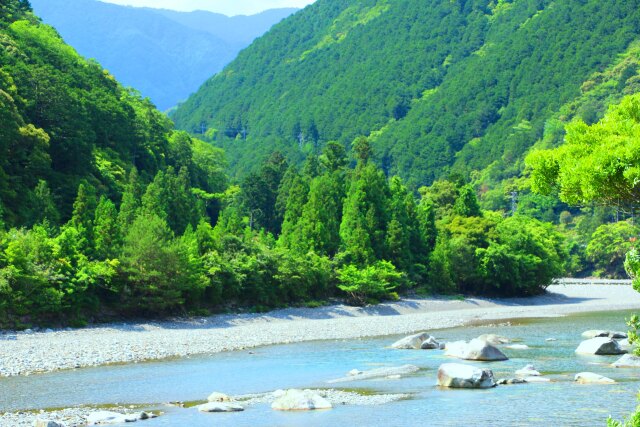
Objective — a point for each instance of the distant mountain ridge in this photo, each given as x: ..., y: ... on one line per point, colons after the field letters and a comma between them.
x: 166, y: 55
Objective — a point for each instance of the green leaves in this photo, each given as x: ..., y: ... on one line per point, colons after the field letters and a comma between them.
x: 373, y: 282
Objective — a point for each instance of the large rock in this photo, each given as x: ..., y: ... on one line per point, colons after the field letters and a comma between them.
x: 300, y: 400
x: 46, y: 423
x: 591, y: 378
x: 598, y: 333
x: 600, y: 346
x: 475, y: 349
x: 494, y: 339
x: 412, y: 342
x: 430, y: 344
x: 528, y: 371
x: 220, y: 407
x: 457, y: 375
x: 627, y: 361
x: 218, y: 397
x: 355, y: 375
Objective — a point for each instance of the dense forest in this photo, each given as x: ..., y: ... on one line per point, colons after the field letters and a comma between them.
x: 439, y: 86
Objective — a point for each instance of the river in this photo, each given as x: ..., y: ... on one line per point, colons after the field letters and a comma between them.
x: 312, y: 364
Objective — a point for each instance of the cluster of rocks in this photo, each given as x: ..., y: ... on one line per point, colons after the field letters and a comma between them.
x: 73, y: 417
x: 294, y: 400
x: 485, y: 348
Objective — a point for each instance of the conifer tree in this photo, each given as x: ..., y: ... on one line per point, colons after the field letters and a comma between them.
x: 467, y: 202
x: 105, y: 229
x: 84, y: 209
x: 319, y: 228
x: 290, y: 236
x: 44, y: 208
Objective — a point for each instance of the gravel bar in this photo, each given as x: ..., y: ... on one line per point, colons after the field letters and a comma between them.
x: 25, y: 353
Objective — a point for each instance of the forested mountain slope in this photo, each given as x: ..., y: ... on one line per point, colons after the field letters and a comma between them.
x: 65, y: 121
x: 165, y: 55
x: 439, y: 85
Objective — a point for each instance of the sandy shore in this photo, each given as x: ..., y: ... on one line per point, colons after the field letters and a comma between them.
x: 27, y: 353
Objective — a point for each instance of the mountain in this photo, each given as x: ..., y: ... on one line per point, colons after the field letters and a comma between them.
x: 65, y: 121
x: 439, y: 86
x: 165, y: 55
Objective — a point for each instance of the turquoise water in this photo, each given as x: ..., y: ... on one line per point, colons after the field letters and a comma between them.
x: 310, y: 365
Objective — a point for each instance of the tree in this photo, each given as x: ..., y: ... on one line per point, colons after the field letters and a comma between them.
x: 371, y: 283
x: 155, y: 273
x: 44, y: 208
x: 106, y: 233
x: 608, y: 246
x: 84, y: 209
x: 467, y: 202
x: 597, y: 163
x: 319, y: 225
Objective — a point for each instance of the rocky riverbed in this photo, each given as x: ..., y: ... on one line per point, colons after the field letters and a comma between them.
x: 29, y: 352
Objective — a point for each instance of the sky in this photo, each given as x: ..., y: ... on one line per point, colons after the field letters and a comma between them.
x: 227, y: 7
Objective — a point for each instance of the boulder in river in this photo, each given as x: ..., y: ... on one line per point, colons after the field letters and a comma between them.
x: 457, y: 375
x: 627, y: 361
x: 476, y: 349
x: 412, y: 342
x: 528, y: 371
x: 220, y: 407
x: 218, y: 397
x: 591, y: 378
x: 598, y: 333
x: 430, y: 344
x: 355, y: 375
x: 46, y: 423
x: 600, y: 346
x: 300, y: 400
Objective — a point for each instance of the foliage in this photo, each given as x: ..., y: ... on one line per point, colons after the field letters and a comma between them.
x: 609, y: 245
x: 597, y: 163
x: 373, y: 282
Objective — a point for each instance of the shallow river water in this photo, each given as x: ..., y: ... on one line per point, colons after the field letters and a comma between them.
x: 311, y: 365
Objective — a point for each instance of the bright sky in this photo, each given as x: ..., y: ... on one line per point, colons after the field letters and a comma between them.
x: 227, y: 7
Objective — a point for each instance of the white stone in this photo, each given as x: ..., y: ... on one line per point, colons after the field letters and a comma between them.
x: 600, y: 346
x: 108, y: 417
x: 591, y: 378
x: 220, y: 407
x: 475, y: 349
x: 528, y: 371
x: 300, y: 400
x: 627, y: 361
x: 457, y: 375
x: 218, y: 397
x: 412, y: 342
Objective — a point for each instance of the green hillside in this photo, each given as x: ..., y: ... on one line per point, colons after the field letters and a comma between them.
x: 439, y: 85
x: 64, y: 121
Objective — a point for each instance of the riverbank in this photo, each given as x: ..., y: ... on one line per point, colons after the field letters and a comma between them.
x: 28, y: 353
